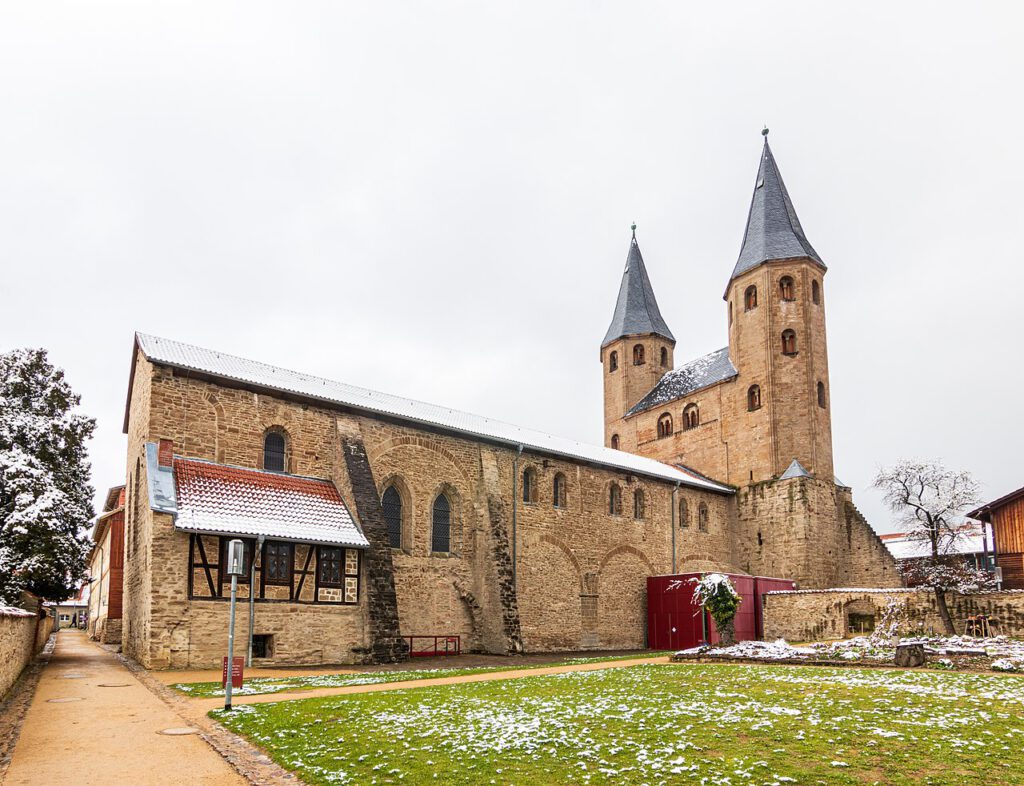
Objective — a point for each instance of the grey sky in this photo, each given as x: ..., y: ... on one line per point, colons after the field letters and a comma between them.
x: 434, y: 199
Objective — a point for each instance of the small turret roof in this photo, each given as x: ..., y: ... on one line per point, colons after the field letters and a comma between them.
x: 773, y: 229
x: 636, y: 310
x: 796, y: 470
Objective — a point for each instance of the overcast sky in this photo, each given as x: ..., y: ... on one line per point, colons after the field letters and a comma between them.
x: 434, y: 199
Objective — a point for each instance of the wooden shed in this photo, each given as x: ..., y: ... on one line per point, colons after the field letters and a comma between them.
x: 1006, y: 515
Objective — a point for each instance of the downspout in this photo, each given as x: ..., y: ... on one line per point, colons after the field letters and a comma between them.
x: 674, y: 491
x: 515, y: 508
x: 252, y: 596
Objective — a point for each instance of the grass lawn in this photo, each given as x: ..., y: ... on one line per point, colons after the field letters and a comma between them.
x: 257, y: 685
x: 659, y: 724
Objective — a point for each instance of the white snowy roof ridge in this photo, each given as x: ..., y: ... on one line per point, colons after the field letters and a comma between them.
x: 218, y: 364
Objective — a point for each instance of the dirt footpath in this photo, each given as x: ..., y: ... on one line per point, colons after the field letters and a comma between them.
x: 92, y: 722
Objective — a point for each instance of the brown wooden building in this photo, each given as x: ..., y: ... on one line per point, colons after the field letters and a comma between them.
x: 1006, y: 515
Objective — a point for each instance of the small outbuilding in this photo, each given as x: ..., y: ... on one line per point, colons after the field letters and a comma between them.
x: 1006, y: 515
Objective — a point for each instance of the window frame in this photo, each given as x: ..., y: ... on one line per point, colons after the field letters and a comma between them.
x: 664, y: 425
x: 789, y: 345
x: 639, y: 355
x: 614, y: 500
x: 639, y: 505
x: 434, y: 524
x: 692, y: 407
x: 401, y: 516
x: 703, y: 518
x: 265, y: 561
x: 559, y: 494
x: 613, y: 362
x: 750, y: 298
x: 322, y: 560
x: 753, y: 398
x: 281, y: 435
x: 787, y: 289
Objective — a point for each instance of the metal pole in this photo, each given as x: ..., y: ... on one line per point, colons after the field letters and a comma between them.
x: 231, y: 643
x: 252, y: 597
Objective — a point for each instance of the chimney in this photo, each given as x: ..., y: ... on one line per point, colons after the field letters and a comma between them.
x: 165, y: 453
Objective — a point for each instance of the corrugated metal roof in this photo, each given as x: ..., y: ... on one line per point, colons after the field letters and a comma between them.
x: 228, y: 500
x: 773, y: 230
x: 971, y: 541
x: 636, y: 309
x: 695, y: 375
x: 221, y: 365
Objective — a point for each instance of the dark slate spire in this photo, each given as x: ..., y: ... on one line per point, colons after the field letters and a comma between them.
x: 636, y: 310
x: 773, y: 230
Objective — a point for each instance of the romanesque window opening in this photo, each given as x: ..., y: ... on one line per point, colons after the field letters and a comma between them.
x: 638, y: 355
x: 750, y: 298
x: 821, y: 394
x: 760, y: 540
x: 684, y: 513
x: 558, y: 491
x: 815, y: 292
x: 529, y: 485
x: 754, y: 397
x: 274, y: 451
x: 665, y: 426
x: 702, y: 517
x: 615, y: 441
x: 788, y: 342
x: 786, y: 289
x: 691, y: 417
x: 613, y: 362
x: 330, y: 563
x: 664, y: 357
x: 441, y: 525
x: 615, y: 500
x: 277, y: 563
x: 391, y: 506
x: 638, y: 504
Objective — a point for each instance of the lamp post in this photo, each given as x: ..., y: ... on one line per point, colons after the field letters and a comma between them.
x: 236, y: 567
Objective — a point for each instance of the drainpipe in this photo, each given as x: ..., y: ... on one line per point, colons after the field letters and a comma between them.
x: 674, y: 491
x: 252, y: 596
x: 515, y: 508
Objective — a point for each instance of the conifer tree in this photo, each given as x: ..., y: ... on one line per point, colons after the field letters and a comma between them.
x: 45, y: 495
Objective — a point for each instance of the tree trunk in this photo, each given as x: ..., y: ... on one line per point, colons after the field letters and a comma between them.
x: 727, y: 632
x: 947, y: 621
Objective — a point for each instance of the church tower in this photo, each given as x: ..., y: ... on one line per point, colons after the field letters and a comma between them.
x: 776, y: 307
x: 637, y: 349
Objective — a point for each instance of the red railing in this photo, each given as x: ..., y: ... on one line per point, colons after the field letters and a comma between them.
x: 433, y: 645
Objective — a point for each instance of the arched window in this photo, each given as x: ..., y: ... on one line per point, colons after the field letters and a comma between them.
x: 441, y: 525
x: 391, y: 504
x: 665, y: 426
x: 788, y: 342
x: 730, y: 313
x: 702, y: 517
x: 691, y: 417
x: 754, y: 397
x: 638, y: 504
x: 274, y: 451
x: 684, y: 513
x: 615, y: 500
x: 750, y: 298
x: 615, y: 441
x: 786, y: 289
x: 664, y: 357
x: 613, y: 362
x: 558, y: 494
x: 529, y: 485
x: 821, y: 394
x: 638, y: 355
x: 815, y: 292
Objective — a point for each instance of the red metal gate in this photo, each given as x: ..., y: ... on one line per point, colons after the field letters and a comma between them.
x: 433, y: 645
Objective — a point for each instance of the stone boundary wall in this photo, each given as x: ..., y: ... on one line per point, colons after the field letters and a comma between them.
x: 20, y: 633
x: 813, y: 615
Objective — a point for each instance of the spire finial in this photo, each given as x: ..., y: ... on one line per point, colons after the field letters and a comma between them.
x: 633, y: 227
x: 764, y: 132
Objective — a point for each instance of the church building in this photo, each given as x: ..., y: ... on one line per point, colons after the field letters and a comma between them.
x: 374, y: 523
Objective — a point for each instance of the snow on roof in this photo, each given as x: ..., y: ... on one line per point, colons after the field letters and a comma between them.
x: 901, y: 547
x: 262, y: 375
x: 226, y: 500
x: 689, y: 378
x: 14, y: 611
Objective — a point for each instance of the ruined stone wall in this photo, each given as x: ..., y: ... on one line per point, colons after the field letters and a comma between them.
x: 816, y: 615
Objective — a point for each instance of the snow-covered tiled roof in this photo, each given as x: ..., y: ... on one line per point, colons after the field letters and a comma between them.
x: 261, y: 375
x: 695, y: 375
x: 901, y: 547
x: 226, y: 500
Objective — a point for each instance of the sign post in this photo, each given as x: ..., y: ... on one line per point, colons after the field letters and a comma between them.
x: 236, y: 567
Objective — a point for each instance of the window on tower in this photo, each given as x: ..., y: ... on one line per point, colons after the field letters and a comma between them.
x: 821, y: 394
x: 613, y: 362
x: 615, y: 441
x: 788, y: 342
x: 638, y: 355
x: 816, y: 292
x: 786, y: 289
x: 750, y: 298
x: 664, y: 357
x: 753, y: 397
x: 665, y: 426
x: 691, y: 417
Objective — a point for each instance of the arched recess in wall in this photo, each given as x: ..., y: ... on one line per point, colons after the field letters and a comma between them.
x: 550, y: 619
x: 218, y: 425
x: 622, y: 583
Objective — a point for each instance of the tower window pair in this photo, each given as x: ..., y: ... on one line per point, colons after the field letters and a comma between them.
x: 753, y: 398
x: 750, y: 298
x: 665, y: 426
x: 787, y: 291
x: 788, y: 342
x: 691, y: 417
x: 638, y: 355
x: 613, y: 362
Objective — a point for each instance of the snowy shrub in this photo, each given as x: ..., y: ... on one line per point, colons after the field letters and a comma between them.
x: 715, y: 593
x: 944, y: 663
x: 1005, y: 665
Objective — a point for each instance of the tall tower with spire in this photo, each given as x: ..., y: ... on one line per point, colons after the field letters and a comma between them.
x: 776, y: 302
x: 637, y: 349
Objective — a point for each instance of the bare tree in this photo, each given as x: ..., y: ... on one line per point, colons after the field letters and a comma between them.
x: 929, y: 501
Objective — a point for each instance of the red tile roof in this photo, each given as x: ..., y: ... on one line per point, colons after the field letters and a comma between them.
x: 227, y: 500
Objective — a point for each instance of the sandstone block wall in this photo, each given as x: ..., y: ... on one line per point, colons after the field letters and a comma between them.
x: 18, y: 643
x: 817, y: 615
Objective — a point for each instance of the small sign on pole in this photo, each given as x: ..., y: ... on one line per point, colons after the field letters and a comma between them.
x: 237, y: 673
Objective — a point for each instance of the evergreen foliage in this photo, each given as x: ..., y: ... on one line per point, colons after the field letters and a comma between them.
x: 716, y: 594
